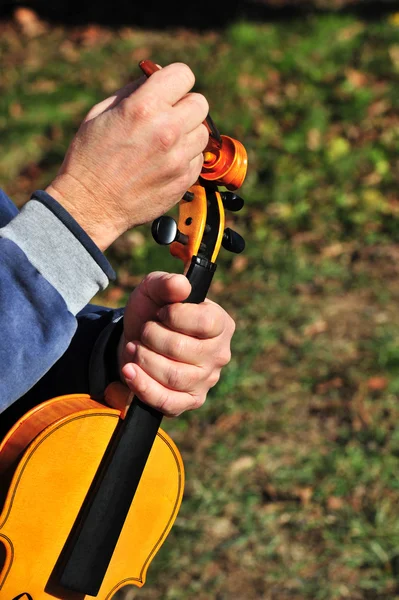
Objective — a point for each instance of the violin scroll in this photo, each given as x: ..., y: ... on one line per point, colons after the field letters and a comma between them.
x: 225, y: 165
x: 200, y: 231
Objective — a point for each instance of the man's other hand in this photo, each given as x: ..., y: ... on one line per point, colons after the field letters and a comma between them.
x: 135, y: 155
x: 171, y: 353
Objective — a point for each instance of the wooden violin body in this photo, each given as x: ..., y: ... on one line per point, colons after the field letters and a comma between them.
x: 48, y: 484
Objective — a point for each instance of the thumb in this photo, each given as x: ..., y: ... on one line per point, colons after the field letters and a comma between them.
x: 155, y: 291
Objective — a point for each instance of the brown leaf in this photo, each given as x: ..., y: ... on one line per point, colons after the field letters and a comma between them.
x: 217, y: 286
x: 240, y: 263
x: 220, y: 528
x: 244, y: 463
x: 15, y: 110
x: 378, y: 108
x: 313, y: 139
x: 361, y: 417
x: 92, y: 35
x: 335, y: 503
x: 304, y: 494
x: 315, y: 328
x: 115, y: 294
x: 229, y: 422
x: 29, y: 22
x: 377, y: 383
x: 357, y: 78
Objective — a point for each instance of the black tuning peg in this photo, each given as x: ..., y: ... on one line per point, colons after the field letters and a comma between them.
x: 231, y: 201
x: 164, y: 231
x: 232, y: 241
x: 189, y: 196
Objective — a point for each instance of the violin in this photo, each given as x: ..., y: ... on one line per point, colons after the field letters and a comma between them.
x: 89, y: 493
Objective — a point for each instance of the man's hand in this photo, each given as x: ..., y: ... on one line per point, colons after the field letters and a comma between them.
x: 135, y: 155
x: 171, y: 353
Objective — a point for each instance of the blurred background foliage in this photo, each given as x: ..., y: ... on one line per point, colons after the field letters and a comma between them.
x: 293, y: 463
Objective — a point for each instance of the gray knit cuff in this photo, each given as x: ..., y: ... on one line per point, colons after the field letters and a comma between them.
x: 57, y: 254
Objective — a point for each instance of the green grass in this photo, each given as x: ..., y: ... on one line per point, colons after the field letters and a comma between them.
x: 293, y: 463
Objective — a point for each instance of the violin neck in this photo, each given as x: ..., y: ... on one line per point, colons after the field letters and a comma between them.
x: 88, y: 551
x: 200, y: 274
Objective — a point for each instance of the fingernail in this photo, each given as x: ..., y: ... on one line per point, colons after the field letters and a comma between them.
x: 129, y: 372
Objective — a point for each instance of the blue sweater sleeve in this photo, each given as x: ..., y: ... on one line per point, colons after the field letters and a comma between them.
x: 36, y: 327
x: 45, y: 350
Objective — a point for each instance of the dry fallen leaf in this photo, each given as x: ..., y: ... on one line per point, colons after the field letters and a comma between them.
x: 315, y: 328
x: 357, y: 78
x: 304, y: 494
x: 335, y: 503
x: 29, y: 22
x: 220, y: 528
x: 244, y: 463
x: 377, y: 383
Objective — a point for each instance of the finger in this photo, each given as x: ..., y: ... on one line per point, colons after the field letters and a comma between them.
x: 129, y: 89
x: 114, y: 100
x: 196, y: 141
x: 179, y: 376
x: 164, y: 288
x: 168, y: 85
x: 170, y: 403
x: 191, y: 111
x: 118, y: 395
x: 173, y: 345
x: 156, y: 290
x: 204, y: 321
x: 194, y: 169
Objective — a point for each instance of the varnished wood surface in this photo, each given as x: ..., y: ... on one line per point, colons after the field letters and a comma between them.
x: 47, y: 491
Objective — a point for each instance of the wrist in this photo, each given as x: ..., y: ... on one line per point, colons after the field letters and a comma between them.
x: 85, y: 209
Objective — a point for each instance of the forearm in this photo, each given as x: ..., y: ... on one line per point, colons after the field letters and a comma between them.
x: 49, y: 270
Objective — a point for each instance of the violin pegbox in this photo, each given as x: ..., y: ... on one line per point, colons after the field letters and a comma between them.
x: 200, y: 230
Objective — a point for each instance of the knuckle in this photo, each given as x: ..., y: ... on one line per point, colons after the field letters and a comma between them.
x: 231, y: 325
x: 206, y: 322
x: 198, y: 401
x: 179, y: 348
x: 141, y: 110
x: 141, y: 385
x: 224, y: 356
x: 167, y: 406
x: 201, y: 348
x: 202, y: 103
x: 203, y: 137
x: 146, y: 332
x: 213, y: 378
x: 174, y: 378
x: 139, y: 357
x: 166, y: 137
x: 185, y: 74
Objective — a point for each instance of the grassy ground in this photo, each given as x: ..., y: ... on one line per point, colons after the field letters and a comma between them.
x: 293, y: 463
